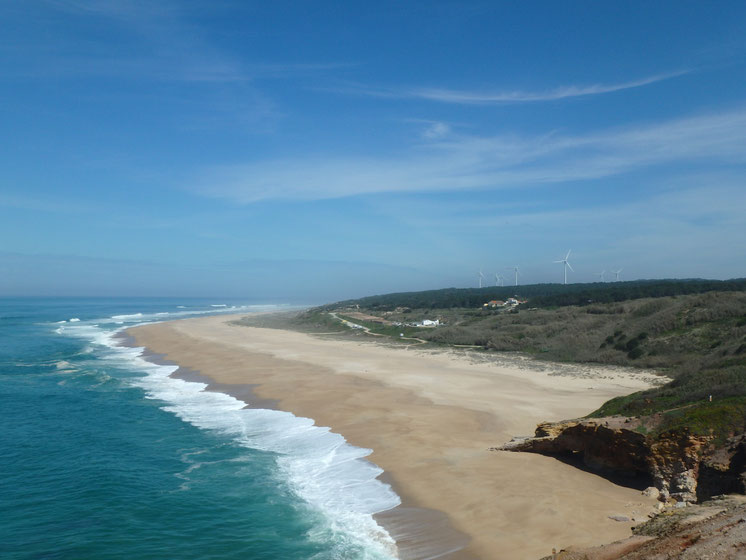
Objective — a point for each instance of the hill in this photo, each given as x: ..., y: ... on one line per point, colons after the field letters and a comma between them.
x: 543, y: 295
x: 692, y: 330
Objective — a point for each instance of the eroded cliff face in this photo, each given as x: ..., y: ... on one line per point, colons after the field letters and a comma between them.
x: 673, y: 461
x: 723, y: 471
x: 682, y: 466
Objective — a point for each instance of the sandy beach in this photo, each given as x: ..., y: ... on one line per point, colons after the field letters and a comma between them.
x: 430, y: 417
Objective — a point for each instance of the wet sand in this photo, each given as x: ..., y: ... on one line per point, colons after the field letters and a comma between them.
x: 430, y: 418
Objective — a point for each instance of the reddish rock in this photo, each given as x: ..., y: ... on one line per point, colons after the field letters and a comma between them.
x: 675, y: 461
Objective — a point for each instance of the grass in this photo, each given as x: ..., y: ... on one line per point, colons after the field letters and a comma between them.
x: 699, y: 339
x: 392, y: 331
x: 719, y: 418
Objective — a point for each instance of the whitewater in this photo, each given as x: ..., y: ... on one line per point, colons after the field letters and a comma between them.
x: 112, y: 456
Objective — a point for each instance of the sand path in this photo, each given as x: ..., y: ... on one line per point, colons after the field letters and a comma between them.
x: 431, y: 417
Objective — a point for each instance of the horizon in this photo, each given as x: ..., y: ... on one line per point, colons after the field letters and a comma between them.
x: 300, y: 303
x: 324, y: 152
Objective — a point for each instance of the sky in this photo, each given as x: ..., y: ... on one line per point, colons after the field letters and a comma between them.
x: 316, y: 151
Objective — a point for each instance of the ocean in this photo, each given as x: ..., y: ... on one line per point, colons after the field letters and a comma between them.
x: 104, y: 456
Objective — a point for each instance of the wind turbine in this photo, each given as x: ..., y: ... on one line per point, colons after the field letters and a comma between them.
x: 616, y: 274
x: 515, y: 269
x: 481, y: 277
x: 566, y: 264
x: 601, y: 275
x: 498, y: 280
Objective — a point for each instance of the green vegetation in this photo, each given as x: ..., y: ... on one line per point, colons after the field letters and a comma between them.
x: 692, y: 330
x: 310, y: 321
x: 685, y: 403
x: 544, y: 295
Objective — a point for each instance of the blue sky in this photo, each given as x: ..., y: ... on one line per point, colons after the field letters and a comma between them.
x: 313, y: 151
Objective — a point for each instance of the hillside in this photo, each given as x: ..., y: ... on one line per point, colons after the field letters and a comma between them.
x: 697, y: 338
x: 692, y: 331
x: 543, y: 295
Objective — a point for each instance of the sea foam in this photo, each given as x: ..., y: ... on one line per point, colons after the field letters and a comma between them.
x: 319, y: 466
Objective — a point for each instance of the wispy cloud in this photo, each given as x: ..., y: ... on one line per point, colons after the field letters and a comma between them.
x: 464, y: 97
x: 132, y: 9
x: 52, y: 205
x: 164, y: 43
x: 161, y: 41
x: 161, y: 44
x: 436, y: 130
x: 564, y: 92
x: 463, y: 162
x: 685, y: 227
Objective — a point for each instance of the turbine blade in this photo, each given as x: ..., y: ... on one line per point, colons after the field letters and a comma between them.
x: 569, y: 266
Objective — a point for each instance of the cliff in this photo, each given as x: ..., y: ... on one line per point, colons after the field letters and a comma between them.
x: 681, y: 466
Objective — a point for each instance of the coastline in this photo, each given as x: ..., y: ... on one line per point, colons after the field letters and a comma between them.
x: 430, y: 418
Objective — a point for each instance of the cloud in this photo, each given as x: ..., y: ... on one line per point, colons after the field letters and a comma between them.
x: 498, y: 162
x: 37, y: 204
x: 463, y: 97
x: 436, y: 130
x: 164, y: 41
x: 685, y: 228
x: 564, y: 92
x: 130, y: 9
x: 160, y: 41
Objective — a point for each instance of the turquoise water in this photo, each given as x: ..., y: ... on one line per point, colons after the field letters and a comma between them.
x: 105, y: 456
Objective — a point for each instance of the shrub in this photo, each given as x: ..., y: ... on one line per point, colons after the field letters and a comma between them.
x: 632, y: 344
x: 635, y: 353
x: 649, y: 308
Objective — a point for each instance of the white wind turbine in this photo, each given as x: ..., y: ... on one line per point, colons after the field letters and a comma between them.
x: 601, y: 275
x: 616, y: 274
x: 481, y: 277
x: 498, y: 280
x: 566, y: 264
x: 515, y: 269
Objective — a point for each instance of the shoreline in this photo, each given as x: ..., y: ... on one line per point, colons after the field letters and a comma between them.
x: 430, y: 418
x: 419, y: 532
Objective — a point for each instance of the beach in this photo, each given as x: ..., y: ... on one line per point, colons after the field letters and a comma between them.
x: 430, y: 417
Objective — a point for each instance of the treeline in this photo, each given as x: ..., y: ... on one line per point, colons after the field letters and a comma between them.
x: 544, y: 295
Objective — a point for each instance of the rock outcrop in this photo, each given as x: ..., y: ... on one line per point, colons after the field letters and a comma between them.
x: 723, y: 471
x: 714, y: 529
x: 682, y: 466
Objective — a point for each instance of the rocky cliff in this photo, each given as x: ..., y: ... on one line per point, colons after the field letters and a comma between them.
x: 682, y: 467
